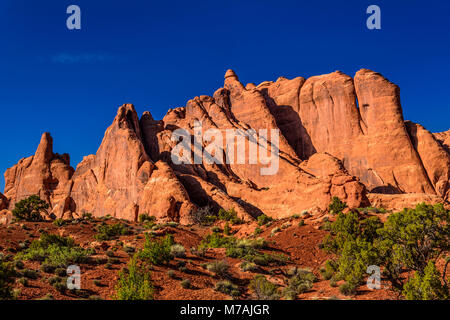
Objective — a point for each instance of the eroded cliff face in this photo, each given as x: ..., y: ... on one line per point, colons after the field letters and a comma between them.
x: 358, y: 120
x: 46, y: 174
x: 339, y: 136
x: 3, y: 202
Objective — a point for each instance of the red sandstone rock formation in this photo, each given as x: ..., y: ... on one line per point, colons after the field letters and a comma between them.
x: 338, y: 136
x: 3, y: 202
x: 45, y: 174
x: 444, y: 139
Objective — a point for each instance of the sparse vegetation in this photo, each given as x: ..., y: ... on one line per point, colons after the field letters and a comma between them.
x: 134, y: 283
x: 157, y: 252
x: 220, y: 268
x: 186, y: 283
x: 171, y: 274
x: 301, y: 280
x: 263, y: 219
x: 113, y: 231
x: 59, y: 222
x: 264, y: 289
x: 143, y: 218
x: 226, y: 287
x: 178, y: 251
x: 336, y: 206
x: 229, y: 215
x: 249, y: 266
x: 204, y: 216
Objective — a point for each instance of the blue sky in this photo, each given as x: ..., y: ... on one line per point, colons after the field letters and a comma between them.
x: 159, y: 54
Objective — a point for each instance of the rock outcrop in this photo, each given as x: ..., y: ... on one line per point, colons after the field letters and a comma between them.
x: 444, y: 139
x: 45, y: 174
x: 435, y: 159
x: 3, y: 202
x: 337, y: 136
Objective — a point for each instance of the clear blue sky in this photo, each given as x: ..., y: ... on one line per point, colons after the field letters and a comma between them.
x: 159, y: 54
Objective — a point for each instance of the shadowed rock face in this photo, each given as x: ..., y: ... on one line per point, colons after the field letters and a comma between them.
x: 338, y: 136
x: 3, y: 202
x: 434, y: 157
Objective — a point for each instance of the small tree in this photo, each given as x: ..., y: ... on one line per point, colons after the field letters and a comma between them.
x: 336, y: 205
x: 30, y: 209
x: 427, y: 286
x: 413, y: 237
x: 264, y: 289
x: 134, y: 283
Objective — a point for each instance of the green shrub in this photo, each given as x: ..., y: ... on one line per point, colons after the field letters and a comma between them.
x: 348, y: 289
x: 30, y: 209
x: 427, y: 286
x: 178, y: 251
x: 408, y: 241
x: 227, y: 229
x: 109, y: 232
x: 60, y: 287
x: 23, y: 281
x: 30, y: 274
x: 229, y: 215
x: 257, y: 231
x: 352, y: 240
x: 263, y: 219
x: 329, y: 270
x: 249, y: 266
x: 274, y: 231
x: 199, y: 251
x: 286, y: 225
x: 413, y: 237
x: 55, y: 251
x: 59, y: 222
x: 61, y: 272
x: 220, y: 268
x: 171, y: 274
x: 47, y: 268
x: 264, y: 289
x: 301, y: 280
x: 226, y: 287
x: 55, y: 279
x: 186, y: 283
x: 336, y: 205
x: 7, y: 279
x: 157, y: 252
x: 146, y: 218
x: 134, y: 283
x: 204, y: 216
x: 86, y: 216
x: 217, y: 240
x: 19, y: 264
x: 129, y: 250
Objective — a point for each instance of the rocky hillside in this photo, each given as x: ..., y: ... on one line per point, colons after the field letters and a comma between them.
x: 339, y: 136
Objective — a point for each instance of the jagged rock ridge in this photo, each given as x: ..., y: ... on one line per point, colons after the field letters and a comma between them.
x: 340, y: 136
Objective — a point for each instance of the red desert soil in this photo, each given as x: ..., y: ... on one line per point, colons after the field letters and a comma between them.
x: 299, y: 243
